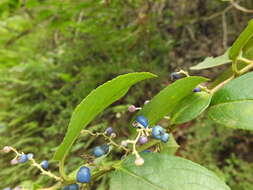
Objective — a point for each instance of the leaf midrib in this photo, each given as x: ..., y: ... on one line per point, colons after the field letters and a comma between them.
x: 177, y: 168
x: 232, y: 101
x: 139, y: 177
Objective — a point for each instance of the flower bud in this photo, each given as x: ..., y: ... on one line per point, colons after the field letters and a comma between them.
x: 132, y: 108
x: 139, y: 161
x: 7, y: 149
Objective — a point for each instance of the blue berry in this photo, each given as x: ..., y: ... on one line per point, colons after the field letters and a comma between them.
x: 143, y: 140
x: 73, y: 187
x: 165, y: 137
x: 7, y: 188
x: 44, y: 164
x: 157, y: 132
x: 109, y: 131
x: 175, y: 76
x: 30, y: 156
x: 98, y: 151
x: 65, y: 187
x: 197, y: 89
x: 105, y: 148
x: 22, y: 158
x: 83, y: 175
x: 142, y: 120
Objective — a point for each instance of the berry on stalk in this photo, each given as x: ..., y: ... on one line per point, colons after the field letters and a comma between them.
x: 83, y: 175
x: 44, y: 164
x: 98, y: 151
x: 7, y: 188
x: 165, y: 137
x: 143, y: 140
x: 197, y: 89
x: 30, y: 156
x: 175, y: 76
x: 109, y: 131
x: 143, y: 121
x: 22, y: 158
x: 73, y: 187
x: 158, y: 132
x: 105, y: 148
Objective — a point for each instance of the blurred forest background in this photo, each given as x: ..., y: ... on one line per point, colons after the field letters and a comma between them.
x: 54, y: 52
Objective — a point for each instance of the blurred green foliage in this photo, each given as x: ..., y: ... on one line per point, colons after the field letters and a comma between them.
x: 53, y: 53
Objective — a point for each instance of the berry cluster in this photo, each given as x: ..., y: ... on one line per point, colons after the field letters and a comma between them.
x: 23, y: 158
x: 83, y: 176
x: 143, y: 132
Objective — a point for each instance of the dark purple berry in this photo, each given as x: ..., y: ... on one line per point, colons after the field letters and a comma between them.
x: 175, y: 76
x: 109, y: 131
x: 197, y: 89
x: 143, y: 140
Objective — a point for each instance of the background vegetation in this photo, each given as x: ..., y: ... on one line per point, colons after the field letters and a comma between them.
x: 53, y: 53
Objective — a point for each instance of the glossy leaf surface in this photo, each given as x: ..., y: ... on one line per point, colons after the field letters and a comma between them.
x: 191, y: 107
x: 163, y: 172
x: 168, y: 98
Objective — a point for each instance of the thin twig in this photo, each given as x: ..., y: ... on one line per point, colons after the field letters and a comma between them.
x: 239, y: 7
x: 225, y: 30
x: 106, y: 137
x: 240, y: 72
x: 44, y: 172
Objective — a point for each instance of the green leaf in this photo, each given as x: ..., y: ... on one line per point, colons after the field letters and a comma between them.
x: 232, y: 105
x: 191, y: 107
x: 237, y: 114
x: 168, y: 98
x: 95, y: 103
x: 163, y: 172
x: 241, y: 41
x: 248, y: 50
x: 170, y: 147
x: 237, y: 89
x: 210, y: 62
